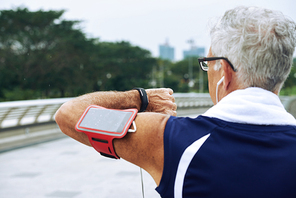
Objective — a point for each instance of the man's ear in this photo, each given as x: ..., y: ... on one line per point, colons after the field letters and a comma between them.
x: 227, y: 73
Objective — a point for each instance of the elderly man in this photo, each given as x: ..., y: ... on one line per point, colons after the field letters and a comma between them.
x: 245, y: 145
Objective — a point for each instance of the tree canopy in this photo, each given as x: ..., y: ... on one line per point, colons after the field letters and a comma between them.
x: 45, y: 56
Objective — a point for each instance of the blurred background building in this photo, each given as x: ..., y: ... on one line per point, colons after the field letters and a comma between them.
x: 194, y: 52
x: 166, y: 52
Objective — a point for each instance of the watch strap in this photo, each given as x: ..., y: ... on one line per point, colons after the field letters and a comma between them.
x: 144, y: 99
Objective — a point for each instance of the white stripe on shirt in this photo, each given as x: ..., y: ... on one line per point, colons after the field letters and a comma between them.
x: 184, y: 164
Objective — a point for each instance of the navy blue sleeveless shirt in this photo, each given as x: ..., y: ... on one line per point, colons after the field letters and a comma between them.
x: 209, y: 157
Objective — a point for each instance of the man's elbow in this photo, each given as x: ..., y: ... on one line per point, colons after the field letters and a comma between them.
x: 66, y: 118
x: 62, y: 118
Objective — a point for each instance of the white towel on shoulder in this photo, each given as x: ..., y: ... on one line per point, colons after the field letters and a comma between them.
x: 252, y: 106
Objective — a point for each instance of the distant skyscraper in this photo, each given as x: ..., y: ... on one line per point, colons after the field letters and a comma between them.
x: 166, y: 52
x: 194, y: 52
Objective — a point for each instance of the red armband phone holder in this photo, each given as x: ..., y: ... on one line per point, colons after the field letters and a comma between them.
x: 102, y: 125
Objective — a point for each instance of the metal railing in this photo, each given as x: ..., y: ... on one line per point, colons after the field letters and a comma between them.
x: 29, y: 112
x: 24, y: 123
x: 192, y: 100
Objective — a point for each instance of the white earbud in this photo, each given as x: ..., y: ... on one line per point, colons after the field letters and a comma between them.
x: 218, y: 83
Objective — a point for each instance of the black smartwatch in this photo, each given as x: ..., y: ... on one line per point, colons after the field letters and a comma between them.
x: 144, y: 99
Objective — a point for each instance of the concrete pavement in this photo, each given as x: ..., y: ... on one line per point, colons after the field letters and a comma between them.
x: 69, y: 169
x: 66, y: 168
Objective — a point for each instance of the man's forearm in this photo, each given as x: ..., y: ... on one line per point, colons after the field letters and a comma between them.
x: 160, y: 101
x: 111, y: 99
x: 70, y: 112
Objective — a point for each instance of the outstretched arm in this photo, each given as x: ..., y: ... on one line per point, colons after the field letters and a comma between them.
x: 160, y: 101
x: 144, y: 147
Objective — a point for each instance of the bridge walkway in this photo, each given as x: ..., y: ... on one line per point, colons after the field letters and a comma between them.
x: 64, y: 168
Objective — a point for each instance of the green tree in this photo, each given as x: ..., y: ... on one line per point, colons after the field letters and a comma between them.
x: 122, y: 65
x: 44, y: 56
x: 180, y: 72
x: 289, y: 87
x: 34, y: 47
x: 21, y: 44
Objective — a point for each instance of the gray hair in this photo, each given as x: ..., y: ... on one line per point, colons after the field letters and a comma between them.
x: 258, y: 42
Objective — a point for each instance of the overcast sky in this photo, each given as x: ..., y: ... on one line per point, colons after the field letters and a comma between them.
x: 148, y: 23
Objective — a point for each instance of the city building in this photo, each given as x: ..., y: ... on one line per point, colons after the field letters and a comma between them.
x: 194, y: 52
x: 166, y: 52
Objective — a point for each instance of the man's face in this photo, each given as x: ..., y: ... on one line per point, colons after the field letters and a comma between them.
x: 213, y: 77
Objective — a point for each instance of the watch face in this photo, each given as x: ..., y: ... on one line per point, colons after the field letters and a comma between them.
x: 105, y: 121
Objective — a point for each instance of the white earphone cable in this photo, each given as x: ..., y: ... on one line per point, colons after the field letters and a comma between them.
x: 218, y: 83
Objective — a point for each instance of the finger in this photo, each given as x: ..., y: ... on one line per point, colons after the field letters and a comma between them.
x: 170, y: 91
x: 171, y: 112
x: 175, y: 106
x: 172, y: 98
x: 172, y: 105
x: 174, y: 113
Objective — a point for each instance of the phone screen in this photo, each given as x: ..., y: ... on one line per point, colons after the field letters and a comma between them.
x: 105, y: 120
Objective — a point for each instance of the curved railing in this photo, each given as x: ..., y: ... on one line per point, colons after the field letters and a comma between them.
x: 30, y: 112
x: 23, y: 123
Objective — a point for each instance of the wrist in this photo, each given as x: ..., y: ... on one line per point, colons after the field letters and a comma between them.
x: 143, y: 98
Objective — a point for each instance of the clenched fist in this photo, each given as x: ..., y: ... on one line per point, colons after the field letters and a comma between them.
x: 161, y: 101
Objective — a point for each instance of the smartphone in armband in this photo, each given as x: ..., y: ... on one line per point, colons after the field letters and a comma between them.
x: 102, y: 125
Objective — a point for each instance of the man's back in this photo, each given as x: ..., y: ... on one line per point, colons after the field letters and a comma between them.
x: 234, y: 160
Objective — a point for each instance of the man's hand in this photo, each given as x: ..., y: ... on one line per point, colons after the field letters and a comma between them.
x: 161, y: 101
